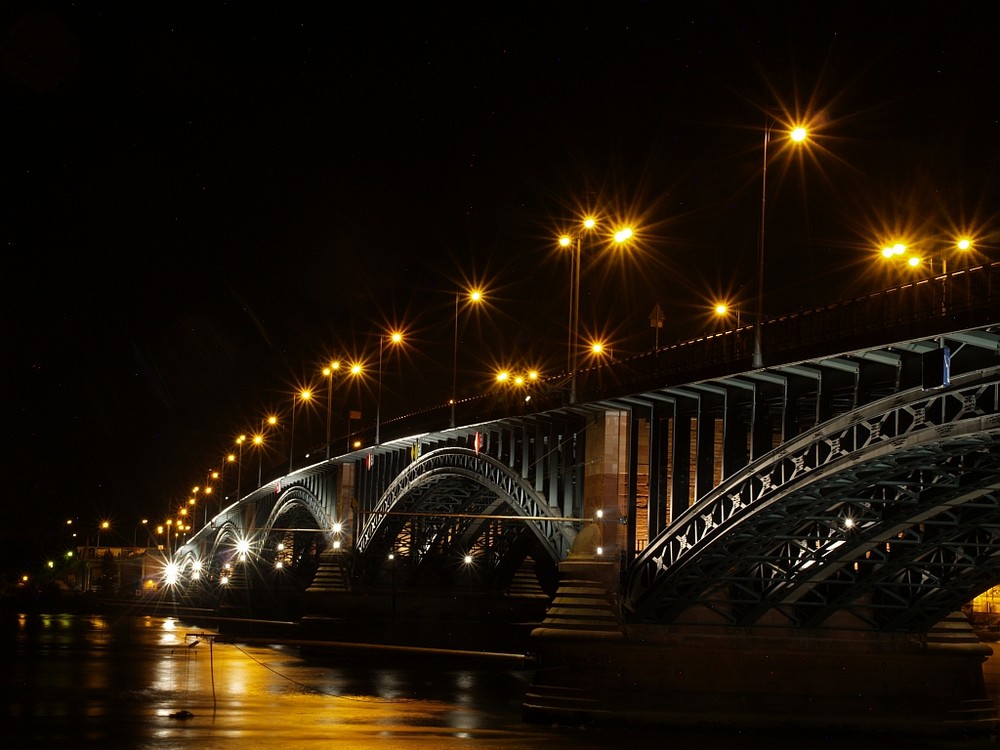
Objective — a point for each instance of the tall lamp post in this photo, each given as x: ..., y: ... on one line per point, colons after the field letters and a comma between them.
x: 473, y: 296
x: 620, y: 236
x: 797, y: 135
x: 105, y: 525
x: 395, y: 337
x: 258, y: 442
x: 328, y: 373
x: 230, y: 459
x: 239, y: 466
x: 304, y: 395
x: 356, y: 370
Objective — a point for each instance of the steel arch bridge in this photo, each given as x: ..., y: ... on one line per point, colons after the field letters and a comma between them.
x: 455, y: 501
x: 832, y: 485
x: 889, y: 514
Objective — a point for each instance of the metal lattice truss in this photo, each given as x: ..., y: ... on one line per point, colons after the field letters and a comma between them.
x: 455, y: 500
x: 303, y: 504
x: 288, y: 538
x: 889, y: 514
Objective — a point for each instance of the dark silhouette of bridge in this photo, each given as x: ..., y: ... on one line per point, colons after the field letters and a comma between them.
x: 847, y: 486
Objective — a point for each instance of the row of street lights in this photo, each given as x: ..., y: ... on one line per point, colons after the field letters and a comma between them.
x: 903, y: 250
x: 590, y: 228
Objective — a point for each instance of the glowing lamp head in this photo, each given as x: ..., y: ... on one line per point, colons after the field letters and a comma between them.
x: 623, y: 235
x: 798, y: 134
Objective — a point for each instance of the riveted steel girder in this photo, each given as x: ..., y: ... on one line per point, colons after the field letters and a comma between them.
x: 887, y: 513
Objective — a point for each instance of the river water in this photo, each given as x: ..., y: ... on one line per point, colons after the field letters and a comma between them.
x: 155, y: 682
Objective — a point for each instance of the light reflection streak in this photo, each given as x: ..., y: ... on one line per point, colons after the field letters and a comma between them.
x: 264, y: 697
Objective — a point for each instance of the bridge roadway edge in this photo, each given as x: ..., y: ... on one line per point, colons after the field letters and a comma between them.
x: 593, y: 667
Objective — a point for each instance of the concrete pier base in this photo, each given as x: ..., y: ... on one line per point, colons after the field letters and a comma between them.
x: 592, y: 667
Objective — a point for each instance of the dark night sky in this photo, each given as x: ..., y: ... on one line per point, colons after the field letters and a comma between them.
x: 200, y: 207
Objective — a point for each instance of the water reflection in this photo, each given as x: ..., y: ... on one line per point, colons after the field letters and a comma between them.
x: 163, y: 683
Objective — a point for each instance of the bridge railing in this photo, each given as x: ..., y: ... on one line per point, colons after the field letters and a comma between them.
x: 964, y: 298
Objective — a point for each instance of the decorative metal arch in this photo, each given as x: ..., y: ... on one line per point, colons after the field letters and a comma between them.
x: 228, y: 529
x: 890, y: 513
x: 481, y: 481
x: 301, y: 496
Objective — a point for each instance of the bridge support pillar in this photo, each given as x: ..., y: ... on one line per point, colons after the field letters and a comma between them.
x: 606, y: 477
x: 738, y: 678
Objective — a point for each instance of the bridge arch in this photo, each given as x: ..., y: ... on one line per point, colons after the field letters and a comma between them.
x: 889, y: 515
x: 456, y: 501
x: 295, y: 533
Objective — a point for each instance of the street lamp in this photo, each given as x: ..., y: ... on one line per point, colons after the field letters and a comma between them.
x: 474, y: 297
x: 328, y: 373
x: 305, y: 394
x: 356, y: 371
x: 105, y: 525
x: 598, y: 350
x: 620, y: 236
x: 797, y: 135
x: 258, y: 443
x: 395, y: 338
x: 239, y: 466
x: 230, y: 459
x: 135, y: 532
x: 724, y: 310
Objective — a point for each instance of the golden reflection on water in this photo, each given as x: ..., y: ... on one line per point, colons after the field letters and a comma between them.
x: 163, y: 684
x: 237, y: 693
